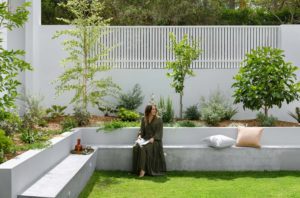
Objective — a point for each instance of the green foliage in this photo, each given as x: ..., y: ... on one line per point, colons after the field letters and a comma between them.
x: 107, y: 109
x: 266, y: 121
x: 34, y: 111
x: 165, y: 109
x: 5, y: 142
x: 265, y: 80
x: 51, y: 10
x: 185, y: 52
x: 216, y: 109
x: 9, y: 122
x: 5, y: 145
x: 128, y: 115
x: 81, y: 116
x: 185, y: 124
x: 68, y: 123
x: 187, y: 12
x: 192, y: 113
x: 28, y: 136
x: 83, y: 63
x: 296, y: 115
x: 132, y: 99
x: 56, y: 111
x: 11, y: 61
x: 248, y: 16
x: 116, y: 124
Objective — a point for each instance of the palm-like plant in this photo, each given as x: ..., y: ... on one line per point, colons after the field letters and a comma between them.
x: 296, y: 115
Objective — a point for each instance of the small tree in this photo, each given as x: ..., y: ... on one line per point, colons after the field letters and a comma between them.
x: 83, y: 63
x: 185, y: 53
x: 11, y: 63
x: 265, y: 80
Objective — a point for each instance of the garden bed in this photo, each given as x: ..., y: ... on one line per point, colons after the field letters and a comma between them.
x: 54, y: 129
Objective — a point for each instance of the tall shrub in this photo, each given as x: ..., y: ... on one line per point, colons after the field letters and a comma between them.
x: 185, y: 52
x: 11, y: 63
x: 265, y: 80
x: 84, y: 62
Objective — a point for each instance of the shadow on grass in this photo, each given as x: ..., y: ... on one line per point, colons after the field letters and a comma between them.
x: 231, y: 175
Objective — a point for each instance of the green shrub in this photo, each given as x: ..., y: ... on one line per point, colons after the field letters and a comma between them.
x: 68, y: 123
x: 266, y: 121
x: 127, y: 115
x: 216, y: 109
x: 185, y: 124
x: 132, y: 99
x: 43, y: 123
x: 266, y: 80
x: 165, y: 109
x: 81, y: 116
x: 192, y: 113
x: 116, y: 124
x: 28, y: 136
x: 107, y: 109
x: 5, y: 142
x: 56, y: 111
x: 33, y: 108
x: 296, y: 115
x: 10, y: 122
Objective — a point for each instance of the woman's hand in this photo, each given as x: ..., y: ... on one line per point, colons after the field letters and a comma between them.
x: 151, y: 140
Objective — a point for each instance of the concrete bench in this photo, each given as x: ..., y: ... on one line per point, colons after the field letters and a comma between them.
x: 203, y: 158
x: 67, y: 179
x: 185, y: 150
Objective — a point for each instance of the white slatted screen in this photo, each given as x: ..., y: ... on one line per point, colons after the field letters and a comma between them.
x: 145, y: 47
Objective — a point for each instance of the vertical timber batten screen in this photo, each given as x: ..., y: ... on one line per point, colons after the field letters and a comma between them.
x: 224, y: 47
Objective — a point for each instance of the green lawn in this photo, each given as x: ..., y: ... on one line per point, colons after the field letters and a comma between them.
x: 194, y: 184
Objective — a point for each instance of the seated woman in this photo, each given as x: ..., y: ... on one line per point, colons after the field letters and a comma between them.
x: 149, y: 159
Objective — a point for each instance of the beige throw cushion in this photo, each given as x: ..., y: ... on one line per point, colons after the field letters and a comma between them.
x: 249, y: 136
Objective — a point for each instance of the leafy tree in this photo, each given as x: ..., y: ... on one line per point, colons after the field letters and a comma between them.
x: 265, y: 80
x: 84, y: 63
x: 11, y: 63
x: 185, y: 52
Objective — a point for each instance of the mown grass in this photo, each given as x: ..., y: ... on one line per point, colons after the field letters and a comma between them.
x: 281, y: 184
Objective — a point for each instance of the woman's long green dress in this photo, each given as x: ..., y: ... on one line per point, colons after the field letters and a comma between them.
x: 150, y: 157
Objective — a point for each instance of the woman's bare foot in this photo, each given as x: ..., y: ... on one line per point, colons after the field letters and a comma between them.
x: 142, y: 173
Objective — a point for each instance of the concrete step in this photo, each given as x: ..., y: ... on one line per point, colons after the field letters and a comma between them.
x: 67, y: 179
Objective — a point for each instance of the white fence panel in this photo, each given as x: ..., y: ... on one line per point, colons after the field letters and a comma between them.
x: 224, y: 47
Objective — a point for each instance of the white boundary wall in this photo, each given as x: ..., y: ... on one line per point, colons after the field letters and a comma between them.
x: 44, y: 54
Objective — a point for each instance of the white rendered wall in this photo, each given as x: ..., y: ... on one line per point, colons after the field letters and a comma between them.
x: 45, y: 55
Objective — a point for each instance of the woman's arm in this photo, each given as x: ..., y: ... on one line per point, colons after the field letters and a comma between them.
x: 142, y: 128
x: 158, y: 134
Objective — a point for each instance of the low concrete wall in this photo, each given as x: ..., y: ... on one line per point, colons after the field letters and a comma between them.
x: 272, y: 136
x: 17, y: 174
x: 185, y: 150
x: 183, y: 147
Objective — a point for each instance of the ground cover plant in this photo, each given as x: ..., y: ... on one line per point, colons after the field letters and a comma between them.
x: 194, y: 184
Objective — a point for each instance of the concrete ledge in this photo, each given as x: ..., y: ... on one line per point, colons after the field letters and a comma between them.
x: 67, y: 179
x: 203, y: 158
x: 21, y: 172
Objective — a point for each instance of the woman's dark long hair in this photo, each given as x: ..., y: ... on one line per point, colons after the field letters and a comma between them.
x: 147, y: 113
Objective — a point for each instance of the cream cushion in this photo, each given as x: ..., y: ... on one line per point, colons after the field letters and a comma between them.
x: 249, y: 136
x: 219, y: 141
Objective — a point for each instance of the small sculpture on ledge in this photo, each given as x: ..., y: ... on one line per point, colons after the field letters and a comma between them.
x: 79, y: 149
x: 78, y: 146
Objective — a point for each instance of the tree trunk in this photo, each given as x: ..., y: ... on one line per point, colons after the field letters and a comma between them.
x: 180, y: 103
x: 231, y: 4
x: 84, y: 83
x: 266, y: 111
